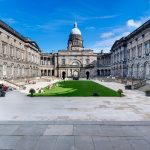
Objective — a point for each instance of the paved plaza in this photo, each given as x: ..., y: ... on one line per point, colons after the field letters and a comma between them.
x: 133, y: 107
x: 75, y: 123
x: 74, y: 135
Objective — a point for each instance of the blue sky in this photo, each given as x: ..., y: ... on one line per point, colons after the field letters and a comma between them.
x: 49, y: 22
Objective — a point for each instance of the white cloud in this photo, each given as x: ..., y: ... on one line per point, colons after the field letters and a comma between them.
x: 107, y: 35
x: 105, y: 44
x: 85, y: 18
x: 108, y: 38
x: 133, y: 23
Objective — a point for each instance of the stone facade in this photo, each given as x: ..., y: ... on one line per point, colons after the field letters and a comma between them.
x: 19, y: 56
x: 130, y: 56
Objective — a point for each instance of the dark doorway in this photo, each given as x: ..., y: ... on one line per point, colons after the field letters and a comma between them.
x: 87, y: 75
x: 98, y: 72
x: 49, y: 72
x: 63, y: 75
x: 52, y: 72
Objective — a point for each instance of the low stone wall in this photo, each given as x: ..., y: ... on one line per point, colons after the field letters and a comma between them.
x: 138, y: 85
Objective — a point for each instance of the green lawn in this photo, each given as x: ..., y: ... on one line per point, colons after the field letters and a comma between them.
x: 78, y: 88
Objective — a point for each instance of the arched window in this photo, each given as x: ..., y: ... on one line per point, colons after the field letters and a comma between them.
x: 75, y: 63
x: 18, y: 70
x: 4, y: 69
x: 22, y: 70
x: 12, y: 69
x: 75, y: 43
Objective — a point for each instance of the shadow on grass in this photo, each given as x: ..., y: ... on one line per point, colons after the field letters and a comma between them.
x: 78, y: 89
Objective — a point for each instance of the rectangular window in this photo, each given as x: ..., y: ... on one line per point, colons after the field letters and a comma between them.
x: 147, y: 47
x: 87, y: 61
x: 22, y: 55
x: 133, y: 50
x: 140, y: 50
x: 4, y: 70
x: 11, y: 51
x: 75, y: 43
x: 4, y: 48
x: 63, y: 62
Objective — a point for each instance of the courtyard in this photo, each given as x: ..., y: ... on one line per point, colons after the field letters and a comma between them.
x: 134, y: 106
x: 78, y: 88
x: 75, y: 123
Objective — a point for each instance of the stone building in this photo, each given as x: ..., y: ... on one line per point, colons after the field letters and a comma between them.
x: 103, y: 64
x: 130, y: 56
x: 19, y: 56
x: 75, y: 61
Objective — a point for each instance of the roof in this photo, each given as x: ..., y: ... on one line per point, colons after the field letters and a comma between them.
x: 131, y: 35
x: 138, y: 30
x: 75, y: 30
x: 9, y: 29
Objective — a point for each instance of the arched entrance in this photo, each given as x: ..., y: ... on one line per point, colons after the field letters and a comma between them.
x: 102, y: 72
x: 75, y: 73
x: 98, y: 72
x: 63, y: 75
x: 87, y: 75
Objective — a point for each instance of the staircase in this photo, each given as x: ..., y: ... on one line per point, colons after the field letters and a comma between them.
x: 10, y: 84
x: 146, y: 87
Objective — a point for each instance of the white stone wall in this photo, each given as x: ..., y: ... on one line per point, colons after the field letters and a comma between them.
x: 139, y: 59
x: 17, y: 58
x: 133, y: 59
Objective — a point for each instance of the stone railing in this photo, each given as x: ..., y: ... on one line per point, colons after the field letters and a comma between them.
x: 11, y: 84
x: 139, y: 84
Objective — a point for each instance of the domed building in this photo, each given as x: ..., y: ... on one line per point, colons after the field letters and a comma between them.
x: 76, y: 61
x: 75, y: 41
x: 21, y: 58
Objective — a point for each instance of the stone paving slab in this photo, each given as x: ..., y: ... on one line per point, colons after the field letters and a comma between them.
x: 134, y: 106
x: 46, y: 143
x: 86, y: 129
x: 59, y: 130
x: 78, y: 136
x: 30, y: 130
x: 102, y: 143
x: 78, y: 122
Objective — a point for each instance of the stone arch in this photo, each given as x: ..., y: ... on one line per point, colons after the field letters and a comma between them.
x: 53, y: 72
x: 132, y: 70
x: 138, y: 70
x: 63, y: 74
x: 45, y: 72
x: 12, y: 69
x: 18, y: 70
x: 98, y: 72
x: 75, y: 73
x: 42, y: 72
x: 5, y: 70
x: 102, y: 72
x: 75, y: 62
x: 87, y: 74
x: 30, y: 71
x: 22, y: 71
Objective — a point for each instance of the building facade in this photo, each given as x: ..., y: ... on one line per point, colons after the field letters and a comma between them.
x: 75, y: 61
x: 21, y: 57
x: 130, y: 56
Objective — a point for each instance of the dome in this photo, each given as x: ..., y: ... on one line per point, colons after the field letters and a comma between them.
x: 75, y: 30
